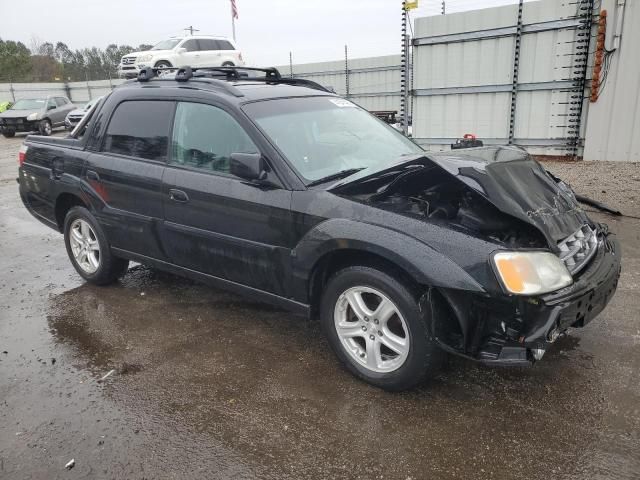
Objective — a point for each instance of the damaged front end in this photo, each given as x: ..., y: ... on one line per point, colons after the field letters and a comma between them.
x: 504, y: 199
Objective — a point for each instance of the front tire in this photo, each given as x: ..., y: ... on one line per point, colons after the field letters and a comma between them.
x: 163, y: 64
x: 89, y: 250
x: 45, y: 127
x: 375, y: 327
x: 9, y: 133
x: 228, y: 64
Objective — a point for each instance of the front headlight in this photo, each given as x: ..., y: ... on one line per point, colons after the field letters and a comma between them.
x: 144, y: 58
x: 531, y: 273
x: 32, y: 116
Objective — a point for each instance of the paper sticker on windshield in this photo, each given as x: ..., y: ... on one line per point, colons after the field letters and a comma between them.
x: 341, y: 102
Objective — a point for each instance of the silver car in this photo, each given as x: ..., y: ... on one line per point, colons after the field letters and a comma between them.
x: 74, y: 116
x: 35, y: 115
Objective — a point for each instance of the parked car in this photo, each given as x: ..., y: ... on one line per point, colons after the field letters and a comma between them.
x: 275, y: 188
x: 74, y: 116
x: 35, y: 114
x: 194, y: 50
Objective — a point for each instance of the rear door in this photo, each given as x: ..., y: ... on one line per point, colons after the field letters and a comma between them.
x: 126, y: 174
x: 216, y: 223
x: 209, y: 52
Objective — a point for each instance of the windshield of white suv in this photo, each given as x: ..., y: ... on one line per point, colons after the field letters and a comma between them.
x: 328, y: 136
x: 29, y: 104
x: 167, y: 44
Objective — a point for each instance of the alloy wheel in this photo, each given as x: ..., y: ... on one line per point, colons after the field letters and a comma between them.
x: 84, y: 245
x: 371, y: 329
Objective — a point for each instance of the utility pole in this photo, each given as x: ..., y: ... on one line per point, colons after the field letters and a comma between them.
x: 346, y: 71
x: 404, y: 64
x: 290, y: 65
x: 191, y: 30
x: 444, y: 10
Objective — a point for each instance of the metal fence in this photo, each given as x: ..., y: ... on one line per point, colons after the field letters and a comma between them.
x: 373, y: 83
x: 513, y: 74
x: 77, y: 92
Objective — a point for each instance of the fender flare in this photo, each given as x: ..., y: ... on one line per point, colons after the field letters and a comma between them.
x: 424, y: 264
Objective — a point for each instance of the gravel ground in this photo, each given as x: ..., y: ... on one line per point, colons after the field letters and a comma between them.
x: 616, y: 184
x: 205, y: 384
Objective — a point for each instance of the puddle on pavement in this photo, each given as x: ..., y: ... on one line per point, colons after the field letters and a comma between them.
x: 264, y: 383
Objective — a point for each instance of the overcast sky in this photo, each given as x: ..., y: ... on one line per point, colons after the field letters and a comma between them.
x: 313, y: 30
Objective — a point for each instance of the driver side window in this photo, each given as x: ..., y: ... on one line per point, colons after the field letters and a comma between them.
x: 205, y: 136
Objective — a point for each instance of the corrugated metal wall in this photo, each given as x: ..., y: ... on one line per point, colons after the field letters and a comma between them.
x: 613, y: 124
x: 463, y: 75
x: 374, y: 82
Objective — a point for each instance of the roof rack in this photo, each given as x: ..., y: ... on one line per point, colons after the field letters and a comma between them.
x: 184, y: 74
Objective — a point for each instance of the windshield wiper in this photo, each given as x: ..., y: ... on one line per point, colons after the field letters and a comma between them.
x: 336, y: 176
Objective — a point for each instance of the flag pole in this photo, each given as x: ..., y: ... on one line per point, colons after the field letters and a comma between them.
x: 233, y: 27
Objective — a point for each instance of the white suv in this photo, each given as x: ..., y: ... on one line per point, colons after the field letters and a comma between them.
x: 193, y: 51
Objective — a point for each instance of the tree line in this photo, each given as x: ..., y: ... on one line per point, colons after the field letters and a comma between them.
x: 49, y: 62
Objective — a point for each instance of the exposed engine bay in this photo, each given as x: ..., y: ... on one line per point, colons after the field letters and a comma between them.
x: 430, y: 192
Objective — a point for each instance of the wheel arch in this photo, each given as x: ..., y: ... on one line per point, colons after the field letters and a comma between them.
x: 162, y: 60
x: 65, y: 202
x: 338, y: 243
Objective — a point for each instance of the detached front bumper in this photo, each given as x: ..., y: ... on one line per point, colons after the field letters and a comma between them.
x: 518, y: 330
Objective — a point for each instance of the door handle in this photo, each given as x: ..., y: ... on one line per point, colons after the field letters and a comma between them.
x: 178, y: 196
x: 92, y: 175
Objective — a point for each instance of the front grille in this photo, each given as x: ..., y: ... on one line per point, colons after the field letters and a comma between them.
x: 128, y: 60
x: 75, y: 118
x: 577, y: 249
x: 13, y: 121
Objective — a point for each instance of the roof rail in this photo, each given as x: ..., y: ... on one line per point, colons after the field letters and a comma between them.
x: 184, y: 74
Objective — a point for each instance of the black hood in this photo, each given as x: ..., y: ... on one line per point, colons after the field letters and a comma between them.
x: 513, y: 182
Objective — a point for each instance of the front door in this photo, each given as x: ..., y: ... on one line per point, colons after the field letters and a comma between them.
x: 126, y: 175
x: 190, y: 58
x: 216, y: 223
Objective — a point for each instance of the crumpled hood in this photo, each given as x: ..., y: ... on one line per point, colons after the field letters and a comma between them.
x: 518, y: 185
x: 511, y: 180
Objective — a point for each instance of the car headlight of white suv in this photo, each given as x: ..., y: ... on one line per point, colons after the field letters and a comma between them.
x: 144, y: 58
x: 531, y: 273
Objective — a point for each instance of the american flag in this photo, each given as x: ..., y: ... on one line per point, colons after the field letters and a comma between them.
x: 234, y: 9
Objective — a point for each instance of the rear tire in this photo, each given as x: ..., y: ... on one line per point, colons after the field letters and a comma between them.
x: 403, y: 352
x: 45, y: 127
x: 89, y: 250
x: 9, y: 133
x: 228, y: 64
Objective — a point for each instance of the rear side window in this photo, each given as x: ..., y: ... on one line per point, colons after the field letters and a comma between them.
x: 140, y: 129
x: 208, y: 44
x: 204, y: 137
x: 225, y: 45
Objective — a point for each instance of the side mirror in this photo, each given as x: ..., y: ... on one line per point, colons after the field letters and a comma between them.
x: 249, y: 166
x: 181, y: 50
x: 51, y: 107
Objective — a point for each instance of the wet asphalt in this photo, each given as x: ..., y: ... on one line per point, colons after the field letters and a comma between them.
x: 206, y: 384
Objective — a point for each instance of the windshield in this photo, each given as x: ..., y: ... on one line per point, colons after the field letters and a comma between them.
x: 324, y: 136
x: 167, y: 44
x: 29, y: 104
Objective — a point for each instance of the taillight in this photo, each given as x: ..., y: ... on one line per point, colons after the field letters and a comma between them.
x: 22, y: 154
